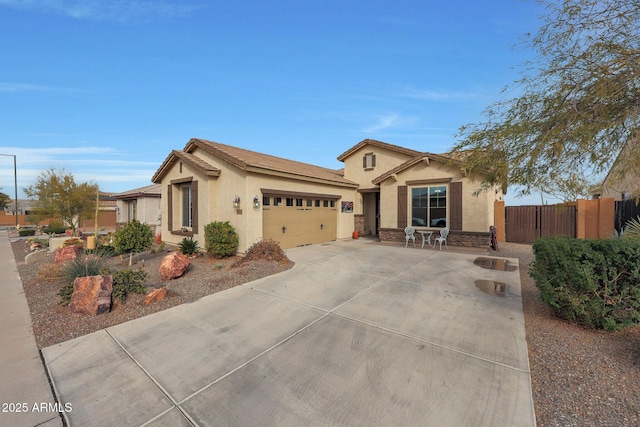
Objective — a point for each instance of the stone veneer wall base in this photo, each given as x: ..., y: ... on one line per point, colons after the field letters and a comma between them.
x: 473, y: 239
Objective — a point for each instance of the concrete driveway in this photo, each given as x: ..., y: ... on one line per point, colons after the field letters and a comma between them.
x: 357, y: 333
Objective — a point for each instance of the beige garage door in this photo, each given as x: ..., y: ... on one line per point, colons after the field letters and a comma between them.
x: 297, y: 220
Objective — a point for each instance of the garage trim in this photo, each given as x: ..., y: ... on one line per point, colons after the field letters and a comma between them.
x: 270, y: 192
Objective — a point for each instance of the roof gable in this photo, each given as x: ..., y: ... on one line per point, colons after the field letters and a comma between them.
x: 379, y: 144
x: 421, y: 157
x: 195, y: 162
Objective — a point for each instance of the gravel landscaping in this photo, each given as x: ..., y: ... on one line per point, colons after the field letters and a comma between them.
x: 580, y: 377
x: 54, y: 323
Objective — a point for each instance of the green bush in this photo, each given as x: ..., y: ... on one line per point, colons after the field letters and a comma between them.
x: 221, y: 239
x: 134, y: 237
x: 55, y: 227
x: 125, y: 282
x: 128, y: 281
x: 593, y: 282
x: 27, y: 232
x: 188, y: 246
x: 39, y: 240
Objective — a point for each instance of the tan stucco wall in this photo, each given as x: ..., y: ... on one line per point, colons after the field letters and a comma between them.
x: 256, y: 182
x: 477, y: 211
x: 175, y: 174
x: 615, y: 185
x: 216, y: 195
x: 385, y: 160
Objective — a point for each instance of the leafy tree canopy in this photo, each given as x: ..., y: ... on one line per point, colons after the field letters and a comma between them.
x: 4, y: 200
x: 59, y: 197
x: 579, y: 104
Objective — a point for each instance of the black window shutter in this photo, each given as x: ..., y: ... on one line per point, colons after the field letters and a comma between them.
x: 455, y: 212
x: 194, y: 207
x: 169, y: 207
x: 402, y: 206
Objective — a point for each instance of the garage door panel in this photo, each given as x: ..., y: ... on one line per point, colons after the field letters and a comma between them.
x: 302, y: 225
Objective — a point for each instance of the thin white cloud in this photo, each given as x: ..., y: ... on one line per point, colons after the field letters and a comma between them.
x: 431, y: 95
x: 111, y: 169
x: 25, y: 87
x: 388, y: 121
x: 105, y: 10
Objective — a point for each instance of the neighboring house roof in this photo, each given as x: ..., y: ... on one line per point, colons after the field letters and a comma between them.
x: 190, y: 159
x: 421, y: 157
x: 152, y: 190
x: 253, y: 161
x: 379, y: 144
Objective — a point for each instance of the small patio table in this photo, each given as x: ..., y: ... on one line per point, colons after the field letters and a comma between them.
x: 428, y: 240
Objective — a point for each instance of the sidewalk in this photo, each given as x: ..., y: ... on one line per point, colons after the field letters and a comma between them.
x: 25, y: 394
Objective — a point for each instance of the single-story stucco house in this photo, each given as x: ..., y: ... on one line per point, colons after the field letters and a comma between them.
x: 382, y: 189
x: 142, y: 204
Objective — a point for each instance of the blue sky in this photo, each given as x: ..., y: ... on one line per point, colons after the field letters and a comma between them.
x: 105, y: 89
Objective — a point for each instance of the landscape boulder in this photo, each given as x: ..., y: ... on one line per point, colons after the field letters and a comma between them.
x: 92, y: 295
x: 174, y: 265
x: 36, y: 256
x: 67, y: 253
x: 155, y: 295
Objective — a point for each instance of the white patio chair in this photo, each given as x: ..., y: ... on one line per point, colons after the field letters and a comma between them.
x: 443, y: 238
x: 409, y: 233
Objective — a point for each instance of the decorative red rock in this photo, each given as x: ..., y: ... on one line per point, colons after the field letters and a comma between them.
x: 67, y: 253
x: 92, y: 295
x: 155, y: 295
x: 174, y: 265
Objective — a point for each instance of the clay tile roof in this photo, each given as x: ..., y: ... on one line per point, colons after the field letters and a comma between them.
x: 265, y: 163
x: 188, y: 158
x: 380, y: 144
x: 152, y: 190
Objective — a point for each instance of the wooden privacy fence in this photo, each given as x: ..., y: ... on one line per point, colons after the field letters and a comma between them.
x: 525, y: 224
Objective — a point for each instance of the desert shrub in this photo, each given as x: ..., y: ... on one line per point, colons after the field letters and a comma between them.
x: 54, y: 227
x: 90, y: 265
x: 591, y: 282
x: 632, y: 228
x: 134, y: 237
x: 188, y: 246
x: 37, y: 240
x: 27, y: 232
x: 221, y: 239
x: 105, y: 251
x: 264, y: 250
x: 65, y: 294
x: 50, y: 272
x: 73, y: 241
x: 128, y: 281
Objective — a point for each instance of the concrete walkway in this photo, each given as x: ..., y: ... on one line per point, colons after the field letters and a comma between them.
x: 355, y: 334
x: 25, y: 394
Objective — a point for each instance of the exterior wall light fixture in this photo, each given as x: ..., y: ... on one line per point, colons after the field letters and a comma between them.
x: 256, y: 202
x: 236, y: 202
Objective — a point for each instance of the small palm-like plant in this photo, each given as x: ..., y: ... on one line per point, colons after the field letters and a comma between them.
x: 632, y: 228
x: 188, y: 246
